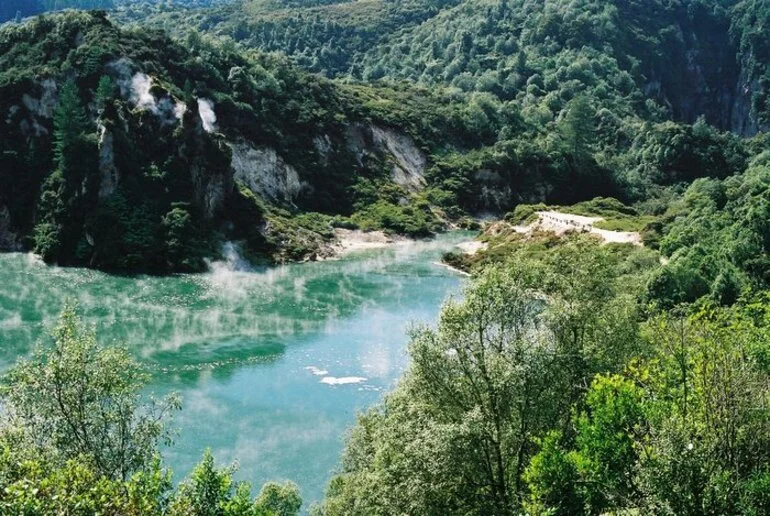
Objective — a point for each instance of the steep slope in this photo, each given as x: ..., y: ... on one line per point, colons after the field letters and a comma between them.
x: 677, y: 53
x: 693, y: 57
x: 164, y: 147
x: 122, y: 149
x: 322, y: 36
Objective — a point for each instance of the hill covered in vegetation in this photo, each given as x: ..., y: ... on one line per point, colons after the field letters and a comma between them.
x: 124, y: 149
x: 661, y: 91
x: 694, y: 57
x: 573, y: 377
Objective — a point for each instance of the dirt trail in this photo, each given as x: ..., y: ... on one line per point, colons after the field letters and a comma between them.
x: 560, y: 223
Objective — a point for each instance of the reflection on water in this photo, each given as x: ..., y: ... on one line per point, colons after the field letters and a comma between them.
x: 272, y: 363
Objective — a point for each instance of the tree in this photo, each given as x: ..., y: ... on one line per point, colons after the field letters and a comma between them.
x: 212, y: 492
x: 64, y: 191
x: 578, y: 126
x: 76, y: 399
x: 454, y: 437
x: 105, y: 91
x: 685, y: 432
x: 75, y: 438
x: 598, y: 474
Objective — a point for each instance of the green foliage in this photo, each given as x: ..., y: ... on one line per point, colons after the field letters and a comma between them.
x: 279, y: 499
x: 82, y: 401
x: 577, y: 127
x: 37, y: 487
x: 502, y: 366
x: 510, y: 102
x: 213, y: 492
x: 64, y: 195
x: 534, y: 101
x: 523, y: 214
x: 659, y: 441
x: 297, y: 238
x: 717, y: 241
x: 598, y: 475
x: 414, y: 219
x: 77, y: 437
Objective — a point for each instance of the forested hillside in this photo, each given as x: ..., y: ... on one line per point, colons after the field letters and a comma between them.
x: 695, y: 57
x: 123, y: 149
x: 18, y: 9
x: 576, y: 374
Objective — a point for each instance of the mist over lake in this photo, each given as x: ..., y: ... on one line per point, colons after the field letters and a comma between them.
x: 272, y: 363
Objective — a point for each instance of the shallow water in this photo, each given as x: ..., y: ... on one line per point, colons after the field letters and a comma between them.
x: 272, y: 364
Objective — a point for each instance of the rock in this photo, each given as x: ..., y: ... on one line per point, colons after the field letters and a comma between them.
x: 265, y: 173
x: 397, y: 148
x: 408, y: 161
x: 9, y: 240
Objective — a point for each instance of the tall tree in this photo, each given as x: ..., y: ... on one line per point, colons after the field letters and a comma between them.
x: 578, y: 127
x: 72, y: 182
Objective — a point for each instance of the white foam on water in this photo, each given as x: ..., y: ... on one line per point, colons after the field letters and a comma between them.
x: 316, y: 371
x: 345, y: 380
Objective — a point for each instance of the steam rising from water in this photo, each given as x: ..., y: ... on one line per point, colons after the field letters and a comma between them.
x: 216, y: 317
x: 281, y: 358
x: 208, y: 117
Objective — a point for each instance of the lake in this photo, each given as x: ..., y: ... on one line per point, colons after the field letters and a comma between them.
x: 272, y: 364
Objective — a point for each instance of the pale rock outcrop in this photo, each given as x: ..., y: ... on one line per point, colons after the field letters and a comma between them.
x: 265, y: 173
x: 399, y: 149
x: 110, y: 175
x: 408, y: 161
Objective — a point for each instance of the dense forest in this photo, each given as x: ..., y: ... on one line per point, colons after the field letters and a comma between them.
x: 286, y: 156
x: 571, y: 377
x: 16, y: 10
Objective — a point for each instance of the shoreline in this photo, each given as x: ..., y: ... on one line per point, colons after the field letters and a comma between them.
x: 453, y: 269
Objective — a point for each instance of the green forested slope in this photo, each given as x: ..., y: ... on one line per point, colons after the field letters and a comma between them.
x: 542, y: 116
x: 123, y: 149
x: 497, y: 102
x: 694, y: 57
x: 321, y: 36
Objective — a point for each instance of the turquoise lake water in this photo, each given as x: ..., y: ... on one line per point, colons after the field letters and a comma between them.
x: 272, y: 364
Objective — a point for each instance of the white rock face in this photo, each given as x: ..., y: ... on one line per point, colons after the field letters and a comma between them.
x: 110, y: 176
x: 399, y: 149
x: 265, y: 173
x: 408, y: 161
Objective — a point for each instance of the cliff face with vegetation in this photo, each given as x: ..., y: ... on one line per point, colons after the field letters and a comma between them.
x: 431, y: 111
x: 694, y: 57
x: 124, y: 149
